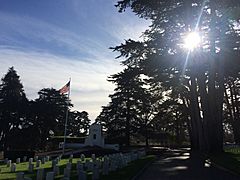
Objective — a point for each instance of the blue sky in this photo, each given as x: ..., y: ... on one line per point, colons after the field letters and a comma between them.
x: 48, y: 41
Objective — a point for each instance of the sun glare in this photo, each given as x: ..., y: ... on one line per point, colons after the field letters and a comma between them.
x: 192, y: 40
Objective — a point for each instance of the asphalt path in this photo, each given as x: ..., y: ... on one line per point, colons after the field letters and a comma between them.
x: 181, y: 165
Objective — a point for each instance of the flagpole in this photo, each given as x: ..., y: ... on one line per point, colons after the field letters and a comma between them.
x: 66, y: 120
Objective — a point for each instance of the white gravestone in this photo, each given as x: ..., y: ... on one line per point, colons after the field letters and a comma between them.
x: 82, y: 157
x: 105, y: 170
x: 47, y: 158
x: 30, y: 160
x: 50, y: 176
x: 90, y: 166
x: 13, y: 167
x: 54, y: 163
x: 20, y: 176
x: 36, y: 158
x: 56, y: 170
x: 43, y: 160
x: 24, y: 158
x: 67, y: 172
x: 30, y: 167
x: 40, y: 174
x: 95, y: 174
x: 18, y: 160
x: 69, y: 165
x: 79, y: 165
x: 82, y: 175
x: 38, y: 163
x: 9, y: 163
x: 5, y: 160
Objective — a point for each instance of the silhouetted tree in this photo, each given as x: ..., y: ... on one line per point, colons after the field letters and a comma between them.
x: 161, y: 53
x: 128, y: 110
x: 232, y: 106
x: 79, y: 123
x: 49, y: 114
x: 13, y: 103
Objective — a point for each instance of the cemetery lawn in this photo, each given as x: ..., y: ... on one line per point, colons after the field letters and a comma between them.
x: 22, y: 167
x: 126, y: 173
x: 131, y: 170
x: 230, y: 159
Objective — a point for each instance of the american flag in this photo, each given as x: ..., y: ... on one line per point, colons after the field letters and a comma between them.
x: 65, y: 88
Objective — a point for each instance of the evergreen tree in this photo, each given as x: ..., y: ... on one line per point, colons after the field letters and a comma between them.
x: 126, y: 114
x: 13, y: 103
x: 79, y: 123
x: 49, y: 114
x: 161, y: 54
x: 232, y: 106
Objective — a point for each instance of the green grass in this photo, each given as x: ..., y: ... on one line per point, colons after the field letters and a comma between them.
x: 230, y: 159
x: 131, y: 170
x: 125, y: 173
x: 23, y: 167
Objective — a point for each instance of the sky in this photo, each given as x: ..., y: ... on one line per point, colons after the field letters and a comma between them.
x: 50, y: 41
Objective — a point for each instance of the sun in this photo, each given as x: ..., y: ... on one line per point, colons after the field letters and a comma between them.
x: 192, y: 41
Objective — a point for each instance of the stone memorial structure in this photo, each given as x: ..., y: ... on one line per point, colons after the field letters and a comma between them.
x: 94, y: 138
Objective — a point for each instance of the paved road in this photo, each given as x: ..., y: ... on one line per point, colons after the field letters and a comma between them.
x: 181, y: 165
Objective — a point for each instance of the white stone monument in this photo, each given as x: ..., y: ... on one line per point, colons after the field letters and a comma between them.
x: 95, y: 138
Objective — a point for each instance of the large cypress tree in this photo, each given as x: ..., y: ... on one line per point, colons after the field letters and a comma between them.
x: 127, y: 112
x: 49, y: 111
x: 162, y: 54
x: 13, y: 104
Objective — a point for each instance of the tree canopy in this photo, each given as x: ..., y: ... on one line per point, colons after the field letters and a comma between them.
x: 192, y: 79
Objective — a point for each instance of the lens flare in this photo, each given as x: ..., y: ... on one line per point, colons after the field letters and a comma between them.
x: 192, y: 40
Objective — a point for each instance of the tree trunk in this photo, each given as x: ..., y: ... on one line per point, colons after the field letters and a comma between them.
x: 146, y: 132
x: 204, y: 105
x: 128, y: 124
x: 234, y: 111
x: 215, y: 111
x: 195, y: 114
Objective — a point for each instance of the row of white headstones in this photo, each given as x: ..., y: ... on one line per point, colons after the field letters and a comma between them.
x: 97, y: 166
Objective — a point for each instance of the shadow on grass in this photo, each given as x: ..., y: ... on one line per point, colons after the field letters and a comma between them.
x: 228, y: 160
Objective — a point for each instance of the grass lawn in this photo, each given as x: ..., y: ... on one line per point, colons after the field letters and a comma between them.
x: 230, y: 159
x: 22, y: 167
x: 125, y: 173
x: 131, y: 170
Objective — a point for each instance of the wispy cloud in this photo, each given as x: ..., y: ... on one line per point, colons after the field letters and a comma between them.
x: 90, y: 89
x: 25, y: 31
x: 125, y: 28
x: 47, y: 54
x: 118, y: 26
